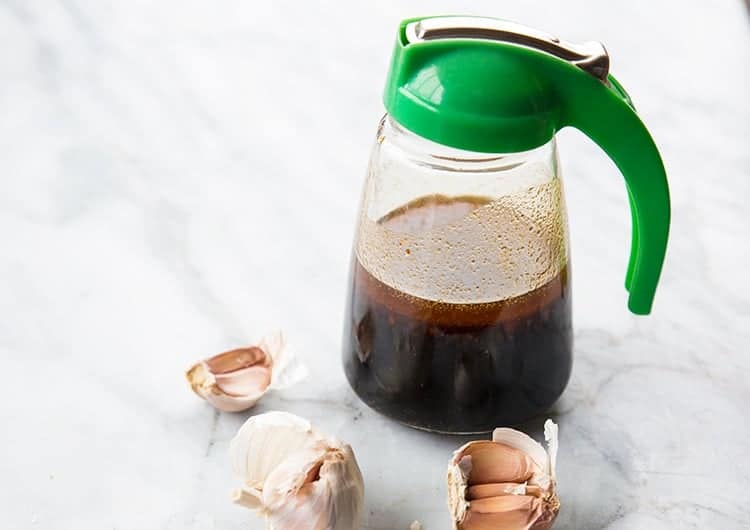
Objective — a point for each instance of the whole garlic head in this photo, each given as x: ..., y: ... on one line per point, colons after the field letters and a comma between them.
x: 296, y: 477
x: 235, y: 380
x: 507, y: 483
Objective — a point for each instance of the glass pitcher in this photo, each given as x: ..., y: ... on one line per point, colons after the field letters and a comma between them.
x: 459, y: 313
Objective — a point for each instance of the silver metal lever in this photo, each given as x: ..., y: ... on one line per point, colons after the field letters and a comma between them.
x: 591, y: 57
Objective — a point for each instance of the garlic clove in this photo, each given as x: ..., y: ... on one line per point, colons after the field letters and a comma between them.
x: 274, y: 436
x: 341, y: 472
x: 238, y: 383
x: 507, y: 483
x: 296, y: 477
x: 329, y: 499
x: 232, y: 360
x: 203, y: 382
x: 526, y: 444
x: 235, y: 380
x: 508, y: 512
x: 491, y: 462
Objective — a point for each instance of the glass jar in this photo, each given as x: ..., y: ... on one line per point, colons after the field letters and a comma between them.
x: 459, y: 313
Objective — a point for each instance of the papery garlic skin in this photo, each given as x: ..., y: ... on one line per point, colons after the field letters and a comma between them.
x: 296, y: 477
x: 507, y: 483
x: 235, y: 380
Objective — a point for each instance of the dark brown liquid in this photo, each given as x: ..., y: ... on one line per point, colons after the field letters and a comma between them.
x: 457, y: 367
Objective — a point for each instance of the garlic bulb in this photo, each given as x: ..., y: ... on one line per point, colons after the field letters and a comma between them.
x: 296, y: 477
x: 235, y: 380
x: 504, y: 484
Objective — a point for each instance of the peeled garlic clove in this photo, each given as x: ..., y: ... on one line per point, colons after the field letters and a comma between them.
x: 504, y: 484
x: 235, y: 380
x: 296, y: 477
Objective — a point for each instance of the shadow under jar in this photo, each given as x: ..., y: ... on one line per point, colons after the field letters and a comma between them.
x: 459, y: 314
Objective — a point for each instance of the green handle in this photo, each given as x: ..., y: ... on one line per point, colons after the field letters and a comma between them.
x: 606, y: 115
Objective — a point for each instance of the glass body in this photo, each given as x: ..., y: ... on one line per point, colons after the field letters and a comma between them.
x: 459, y: 316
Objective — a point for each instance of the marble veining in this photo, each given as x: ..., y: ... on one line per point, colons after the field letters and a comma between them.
x: 179, y: 178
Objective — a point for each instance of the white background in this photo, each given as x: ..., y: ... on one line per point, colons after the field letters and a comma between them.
x: 177, y: 178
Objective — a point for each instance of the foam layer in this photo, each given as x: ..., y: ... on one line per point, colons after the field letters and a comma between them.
x: 468, y: 249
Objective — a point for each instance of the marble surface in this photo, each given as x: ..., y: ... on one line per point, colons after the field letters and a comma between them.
x: 180, y: 177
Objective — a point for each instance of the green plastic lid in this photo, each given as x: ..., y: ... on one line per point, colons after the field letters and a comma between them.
x: 490, y: 85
